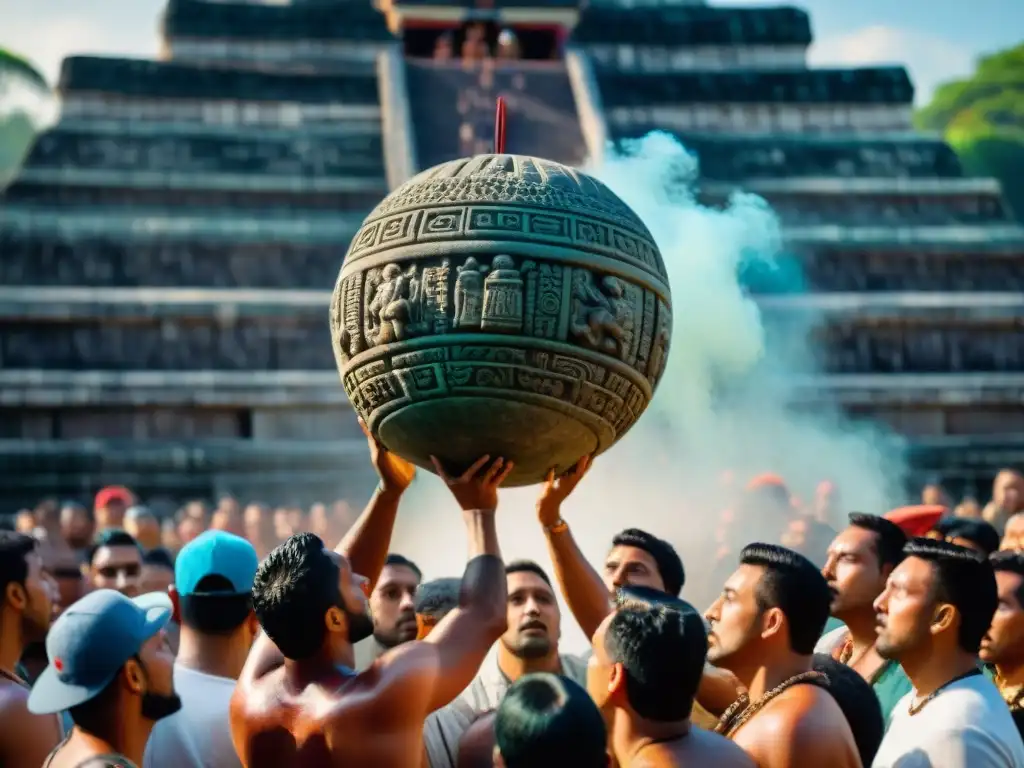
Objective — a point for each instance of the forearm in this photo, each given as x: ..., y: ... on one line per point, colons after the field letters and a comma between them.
x: 366, y: 544
x: 581, y: 586
x: 483, y: 587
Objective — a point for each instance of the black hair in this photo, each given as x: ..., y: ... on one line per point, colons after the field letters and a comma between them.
x: 662, y: 650
x: 110, y: 537
x: 1008, y: 560
x: 14, y: 548
x: 890, y: 537
x: 527, y: 566
x: 670, y: 566
x: 96, y: 715
x: 858, y: 701
x: 549, y: 721
x: 294, y: 587
x: 394, y: 559
x: 215, y: 608
x: 978, y: 532
x: 795, y: 586
x: 966, y: 580
x: 159, y: 556
x: 438, y: 598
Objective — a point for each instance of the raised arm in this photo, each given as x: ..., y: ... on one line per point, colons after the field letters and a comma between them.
x: 366, y: 543
x: 449, y: 658
x: 581, y: 585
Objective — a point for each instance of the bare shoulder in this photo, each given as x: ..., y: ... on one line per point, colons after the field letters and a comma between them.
x: 25, y: 739
x: 712, y: 749
x: 804, y: 723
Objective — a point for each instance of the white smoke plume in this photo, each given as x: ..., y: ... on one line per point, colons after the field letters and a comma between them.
x: 721, y: 407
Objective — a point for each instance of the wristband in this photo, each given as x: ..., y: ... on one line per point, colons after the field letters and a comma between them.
x: 560, y: 526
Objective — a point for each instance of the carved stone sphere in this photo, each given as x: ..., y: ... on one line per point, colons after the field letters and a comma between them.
x: 501, y: 305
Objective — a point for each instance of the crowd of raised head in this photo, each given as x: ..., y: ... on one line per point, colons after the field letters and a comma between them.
x: 895, y: 640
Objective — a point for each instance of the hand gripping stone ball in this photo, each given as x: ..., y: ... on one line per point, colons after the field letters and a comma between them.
x: 502, y: 305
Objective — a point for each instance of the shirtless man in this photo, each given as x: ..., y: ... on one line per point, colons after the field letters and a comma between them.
x: 763, y: 629
x: 300, y: 703
x: 26, y: 606
x: 644, y: 673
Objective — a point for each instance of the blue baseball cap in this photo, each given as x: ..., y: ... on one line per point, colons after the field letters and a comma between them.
x: 216, y: 553
x: 90, y: 643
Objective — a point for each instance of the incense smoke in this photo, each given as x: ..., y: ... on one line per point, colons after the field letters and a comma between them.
x: 721, y: 407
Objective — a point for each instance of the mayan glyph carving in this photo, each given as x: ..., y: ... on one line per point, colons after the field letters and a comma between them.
x: 503, y: 305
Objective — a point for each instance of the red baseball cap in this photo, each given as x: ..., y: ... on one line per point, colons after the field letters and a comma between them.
x: 917, y: 519
x: 113, y: 493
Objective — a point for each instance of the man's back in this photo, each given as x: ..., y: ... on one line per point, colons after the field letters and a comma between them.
x: 802, y: 726
x: 336, y: 721
x: 699, y: 748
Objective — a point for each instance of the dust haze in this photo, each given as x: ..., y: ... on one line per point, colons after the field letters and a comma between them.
x: 721, y: 407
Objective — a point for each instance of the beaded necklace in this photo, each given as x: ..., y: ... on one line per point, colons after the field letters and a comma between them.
x: 915, y: 708
x: 741, y: 710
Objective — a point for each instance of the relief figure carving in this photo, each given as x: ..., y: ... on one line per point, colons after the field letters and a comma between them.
x: 392, y: 314
x: 469, y: 295
x: 503, y: 297
x: 602, y: 318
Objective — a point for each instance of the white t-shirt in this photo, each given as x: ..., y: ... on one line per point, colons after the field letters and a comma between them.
x: 199, y: 734
x: 967, y: 725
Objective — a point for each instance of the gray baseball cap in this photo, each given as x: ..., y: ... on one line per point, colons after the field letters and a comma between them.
x: 90, y: 642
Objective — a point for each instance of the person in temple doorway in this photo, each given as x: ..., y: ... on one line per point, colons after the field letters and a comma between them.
x: 508, y: 45
x: 393, y: 609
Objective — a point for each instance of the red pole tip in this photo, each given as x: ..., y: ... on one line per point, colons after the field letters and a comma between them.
x: 499, y: 127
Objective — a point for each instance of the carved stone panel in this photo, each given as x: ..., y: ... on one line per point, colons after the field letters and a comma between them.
x: 502, y: 305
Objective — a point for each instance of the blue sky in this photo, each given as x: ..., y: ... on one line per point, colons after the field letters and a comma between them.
x: 936, y: 39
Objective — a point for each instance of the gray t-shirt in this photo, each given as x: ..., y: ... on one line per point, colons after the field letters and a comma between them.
x: 445, y: 727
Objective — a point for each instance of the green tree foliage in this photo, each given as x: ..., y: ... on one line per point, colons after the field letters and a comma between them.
x: 16, y: 134
x: 16, y: 128
x: 982, y: 117
x: 14, y: 66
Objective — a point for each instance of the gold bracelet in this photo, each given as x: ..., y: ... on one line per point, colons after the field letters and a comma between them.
x: 560, y: 527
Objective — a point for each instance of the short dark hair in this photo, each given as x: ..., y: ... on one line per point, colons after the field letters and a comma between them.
x: 858, y: 702
x: 438, y: 598
x: 549, y: 721
x: 96, y: 716
x: 890, y: 537
x: 966, y: 580
x: 978, y: 532
x: 1008, y: 560
x: 159, y: 556
x: 662, y: 649
x: 111, y: 537
x: 14, y: 548
x: 215, y: 608
x: 294, y: 587
x: 527, y: 566
x: 670, y: 565
x: 795, y: 586
x: 394, y: 559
